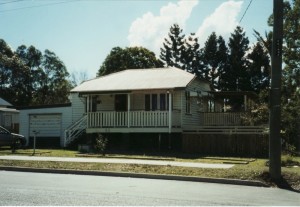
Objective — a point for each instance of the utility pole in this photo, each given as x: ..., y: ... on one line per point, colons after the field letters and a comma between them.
x: 275, y: 92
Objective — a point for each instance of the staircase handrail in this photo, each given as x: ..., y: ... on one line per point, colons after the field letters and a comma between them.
x: 75, y: 129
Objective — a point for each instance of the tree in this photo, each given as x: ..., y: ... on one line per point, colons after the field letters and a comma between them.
x: 78, y: 77
x: 291, y: 50
x: 236, y: 77
x: 214, y: 58
x: 128, y: 58
x: 28, y: 77
x: 32, y: 59
x: 290, y: 123
x: 54, y: 86
x: 13, y: 76
x: 291, y: 73
x: 5, y: 71
x: 191, y: 55
x: 173, y: 48
x: 259, y: 68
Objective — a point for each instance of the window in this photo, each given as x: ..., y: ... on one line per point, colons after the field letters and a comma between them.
x: 121, y: 102
x: 94, y: 104
x: 147, y: 102
x: 154, y: 102
x: 187, y: 102
x: 162, y: 103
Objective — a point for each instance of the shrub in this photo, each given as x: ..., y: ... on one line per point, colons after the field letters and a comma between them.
x: 100, y: 144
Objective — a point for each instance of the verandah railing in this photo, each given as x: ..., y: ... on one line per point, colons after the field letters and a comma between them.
x: 109, y: 119
x: 221, y: 118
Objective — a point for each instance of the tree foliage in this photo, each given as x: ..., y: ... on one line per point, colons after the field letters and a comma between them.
x: 29, y: 77
x: 173, y: 49
x: 291, y: 50
x: 236, y: 76
x: 190, y: 56
x: 290, y: 123
x: 259, y: 68
x: 227, y: 67
x: 291, y: 74
x: 214, y: 57
x: 128, y: 58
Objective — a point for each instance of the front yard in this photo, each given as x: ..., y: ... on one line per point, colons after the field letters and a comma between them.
x: 244, y: 168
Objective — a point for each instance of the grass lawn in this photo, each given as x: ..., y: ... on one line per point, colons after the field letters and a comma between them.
x: 244, y: 168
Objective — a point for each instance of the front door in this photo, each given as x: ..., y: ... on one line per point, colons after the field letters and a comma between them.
x: 121, y: 102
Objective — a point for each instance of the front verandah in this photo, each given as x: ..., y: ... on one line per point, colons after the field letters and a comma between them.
x: 133, y: 121
x: 133, y: 112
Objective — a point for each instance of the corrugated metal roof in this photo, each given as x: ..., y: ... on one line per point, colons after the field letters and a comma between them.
x: 9, y: 110
x: 138, y: 79
x: 4, y: 103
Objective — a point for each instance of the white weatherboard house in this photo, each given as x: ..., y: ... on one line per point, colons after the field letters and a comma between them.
x: 161, y: 100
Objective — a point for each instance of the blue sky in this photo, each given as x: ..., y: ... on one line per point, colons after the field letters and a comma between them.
x: 82, y: 33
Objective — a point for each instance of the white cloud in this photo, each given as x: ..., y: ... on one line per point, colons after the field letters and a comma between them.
x: 149, y: 30
x: 222, y: 21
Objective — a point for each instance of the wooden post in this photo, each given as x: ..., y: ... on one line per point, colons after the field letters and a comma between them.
x: 88, y: 103
x: 245, y: 102
x: 170, y: 118
x: 170, y: 112
x: 159, y: 141
x: 275, y: 92
x: 128, y: 109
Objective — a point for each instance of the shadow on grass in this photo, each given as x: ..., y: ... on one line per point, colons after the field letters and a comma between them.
x: 7, y: 150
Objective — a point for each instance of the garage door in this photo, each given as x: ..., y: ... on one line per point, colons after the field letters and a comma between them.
x: 47, y: 125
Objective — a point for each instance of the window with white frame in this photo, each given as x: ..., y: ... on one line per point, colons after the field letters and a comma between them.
x: 155, y: 102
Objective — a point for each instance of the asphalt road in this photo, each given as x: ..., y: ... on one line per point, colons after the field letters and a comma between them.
x: 31, y: 189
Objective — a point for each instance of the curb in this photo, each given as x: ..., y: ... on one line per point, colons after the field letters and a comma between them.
x: 137, y: 175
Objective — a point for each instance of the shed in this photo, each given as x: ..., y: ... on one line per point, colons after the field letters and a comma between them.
x: 49, y: 121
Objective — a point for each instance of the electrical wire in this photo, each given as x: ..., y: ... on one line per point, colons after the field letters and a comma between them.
x: 42, y: 5
x: 10, y: 2
x: 246, y: 10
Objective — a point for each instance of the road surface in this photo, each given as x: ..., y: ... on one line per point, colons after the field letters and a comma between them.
x: 31, y: 189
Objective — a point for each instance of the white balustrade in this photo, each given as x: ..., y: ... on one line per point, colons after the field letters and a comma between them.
x: 109, y: 119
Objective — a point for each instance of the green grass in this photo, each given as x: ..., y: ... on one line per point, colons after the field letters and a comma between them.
x: 255, y: 169
x: 40, y: 152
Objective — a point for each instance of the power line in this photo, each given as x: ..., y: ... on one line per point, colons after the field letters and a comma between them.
x: 42, y: 5
x: 9, y: 2
x: 246, y: 10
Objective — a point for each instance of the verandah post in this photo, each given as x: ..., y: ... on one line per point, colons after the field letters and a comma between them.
x: 170, y: 111
x: 128, y: 110
x: 170, y: 118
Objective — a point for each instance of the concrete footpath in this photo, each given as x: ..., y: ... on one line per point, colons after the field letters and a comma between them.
x: 123, y: 174
x: 119, y: 161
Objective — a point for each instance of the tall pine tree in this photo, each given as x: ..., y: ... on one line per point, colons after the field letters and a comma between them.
x: 191, y: 56
x: 173, y: 48
x: 236, y: 76
x: 259, y: 68
x: 214, y: 58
